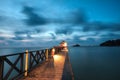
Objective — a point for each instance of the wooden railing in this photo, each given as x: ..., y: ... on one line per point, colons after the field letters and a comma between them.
x: 14, y: 66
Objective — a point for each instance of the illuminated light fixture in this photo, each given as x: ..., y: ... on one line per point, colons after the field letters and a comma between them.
x: 57, y: 57
x: 64, y: 45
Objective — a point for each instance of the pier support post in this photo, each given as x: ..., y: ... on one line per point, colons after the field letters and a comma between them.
x: 46, y: 54
x: 1, y: 68
x: 26, y: 63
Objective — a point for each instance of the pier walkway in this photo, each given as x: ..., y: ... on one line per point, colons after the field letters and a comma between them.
x: 56, y: 68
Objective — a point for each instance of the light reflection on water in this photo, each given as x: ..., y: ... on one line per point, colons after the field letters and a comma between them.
x: 95, y: 63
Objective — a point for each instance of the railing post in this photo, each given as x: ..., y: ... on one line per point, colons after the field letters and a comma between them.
x: 1, y: 68
x: 46, y: 54
x: 53, y: 52
x: 26, y: 63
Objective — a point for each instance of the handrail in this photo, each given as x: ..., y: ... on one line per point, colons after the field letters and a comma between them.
x: 18, y: 53
x: 12, y: 54
x: 23, y: 63
x: 34, y: 58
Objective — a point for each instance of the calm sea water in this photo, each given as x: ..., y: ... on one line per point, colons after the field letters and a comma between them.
x: 95, y: 63
x: 5, y: 51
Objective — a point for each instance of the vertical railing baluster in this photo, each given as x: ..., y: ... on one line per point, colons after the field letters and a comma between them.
x: 41, y: 55
x: 26, y: 63
x: 37, y: 57
x: 22, y: 62
x: 46, y: 54
x: 1, y: 67
x: 30, y: 63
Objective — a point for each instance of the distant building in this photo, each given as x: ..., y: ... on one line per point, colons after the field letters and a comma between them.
x: 64, y: 45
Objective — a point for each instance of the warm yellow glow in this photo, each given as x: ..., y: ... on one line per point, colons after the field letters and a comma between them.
x: 57, y: 57
x: 65, y: 44
x: 53, y: 50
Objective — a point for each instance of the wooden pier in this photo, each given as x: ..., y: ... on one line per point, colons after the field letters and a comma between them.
x: 46, y: 64
x: 56, y: 68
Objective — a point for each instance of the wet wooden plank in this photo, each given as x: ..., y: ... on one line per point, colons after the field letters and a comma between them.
x: 56, y: 68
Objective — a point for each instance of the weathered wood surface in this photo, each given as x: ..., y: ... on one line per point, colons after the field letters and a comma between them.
x: 56, y: 68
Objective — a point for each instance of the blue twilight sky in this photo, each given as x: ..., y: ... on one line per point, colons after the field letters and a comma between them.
x: 48, y: 22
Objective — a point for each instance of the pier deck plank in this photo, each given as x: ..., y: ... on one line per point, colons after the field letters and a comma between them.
x: 56, y: 68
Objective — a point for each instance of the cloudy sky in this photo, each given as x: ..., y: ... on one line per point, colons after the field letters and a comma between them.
x: 48, y: 22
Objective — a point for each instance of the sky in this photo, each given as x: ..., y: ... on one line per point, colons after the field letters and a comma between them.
x: 48, y: 22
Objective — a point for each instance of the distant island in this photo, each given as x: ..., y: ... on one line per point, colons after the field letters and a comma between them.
x: 111, y: 43
x: 76, y: 45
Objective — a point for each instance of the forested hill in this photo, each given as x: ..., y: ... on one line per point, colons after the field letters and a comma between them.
x: 111, y: 43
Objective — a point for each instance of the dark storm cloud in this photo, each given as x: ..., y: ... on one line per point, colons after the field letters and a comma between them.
x: 78, y: 16
x: 68, y: 29
x: 99, y: 26
x: 33, y: 31
x: 73, y: 17
x: 33, y: 19
x: 20, y: 32
x: 20, y: 37
x: 64, y: 30
x: 28, y: 33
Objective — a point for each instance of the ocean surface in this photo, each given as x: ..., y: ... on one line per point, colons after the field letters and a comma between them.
x: 88, y: 63
x: 5, y: 51
x: 95, y: 63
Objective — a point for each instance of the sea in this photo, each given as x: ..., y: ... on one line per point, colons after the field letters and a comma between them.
x: 88, y: 63
x: 95, y: 63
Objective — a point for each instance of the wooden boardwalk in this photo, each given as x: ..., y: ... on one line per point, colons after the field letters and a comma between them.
x: 56, y: 68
